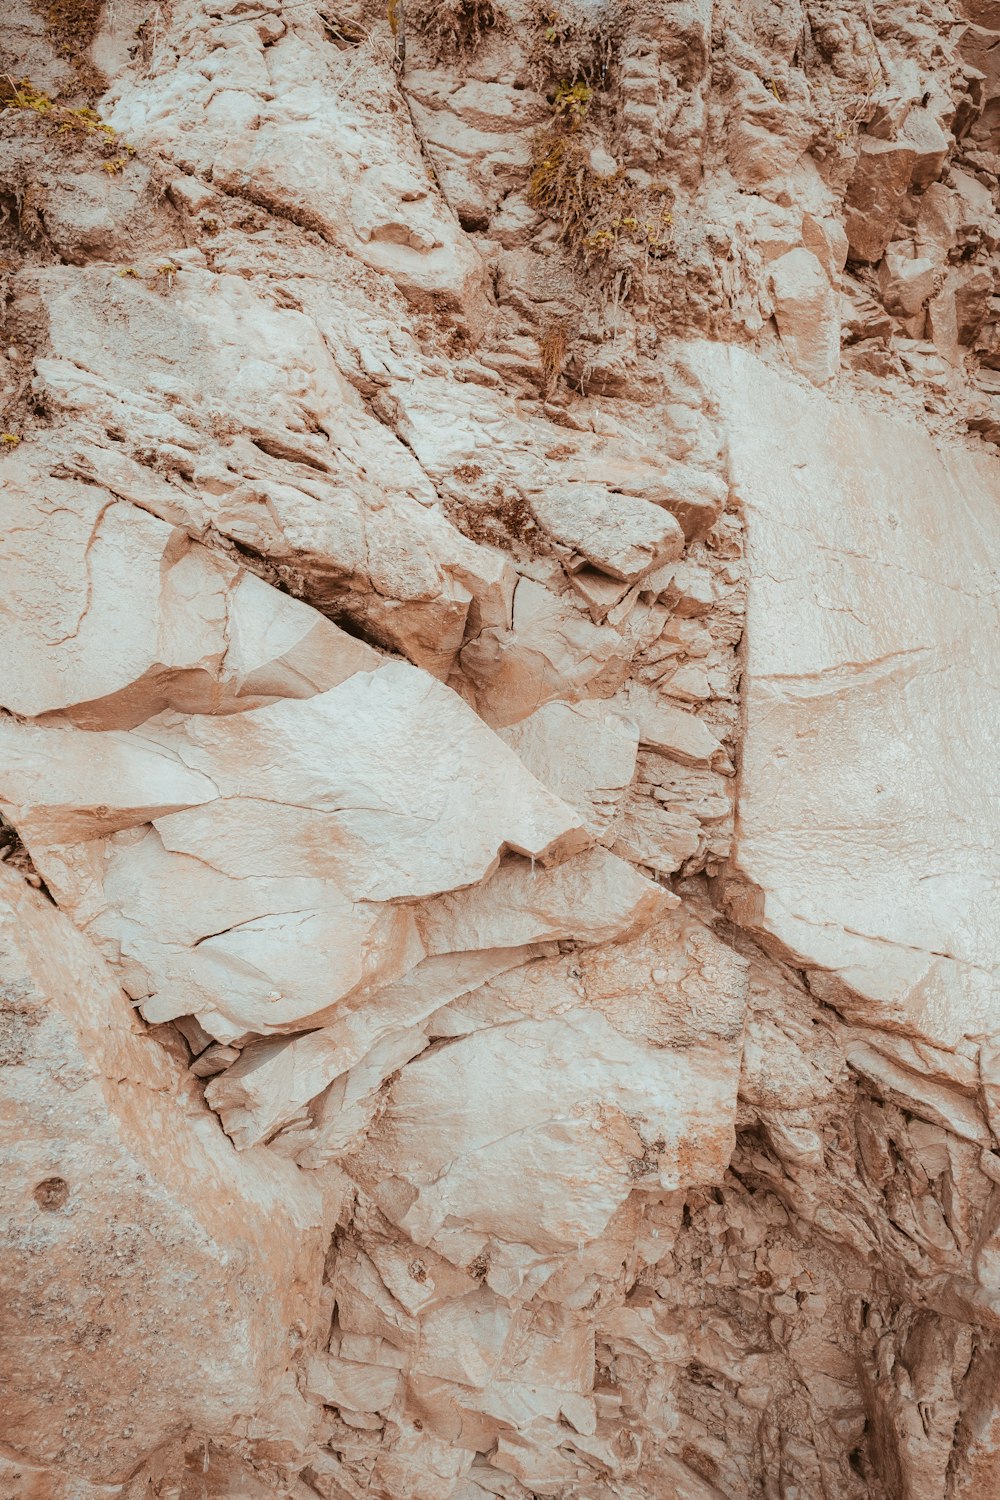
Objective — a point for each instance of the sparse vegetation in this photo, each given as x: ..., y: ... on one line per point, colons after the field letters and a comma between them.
x: 569, y: 43
x: 147, y: 38
x: 596, y: 212
x: 572, y: 102
x: 76, y: 124
x: 607, y: 215
x: 9, y: 440
x: 165, y: 276
x: 500, y: 518
x: 455, y: 26
x: 71, y: 26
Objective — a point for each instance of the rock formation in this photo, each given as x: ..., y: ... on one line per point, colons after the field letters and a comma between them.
x: 500, y: 987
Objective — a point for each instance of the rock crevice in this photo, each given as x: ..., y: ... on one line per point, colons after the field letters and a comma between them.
x: 501, y: 520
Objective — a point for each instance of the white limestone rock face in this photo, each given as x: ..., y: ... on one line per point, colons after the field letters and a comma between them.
x: 515, y: 1159
x: 485, y: 1016
x: 274, y: 864
x: 584, y: 752
x: 192, y: 631
x: 284, y: 458
x: 868, y: 814
x: 291, y: 128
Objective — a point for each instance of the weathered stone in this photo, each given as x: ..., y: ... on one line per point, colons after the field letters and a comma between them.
x: 906, y: 282
x: 550, y: 650
x: 881, y: 178
x: 611, y: 1121
x: 196, y: 633
x: 807, y: 312
x: 576, y: 1089
x: 130, y: 1225
x: 594, y: 898
x: 874, y: 626
x: 623, y: 537
x: 669, y: 729
x: 931, y: 143
x: 584, y: 753
x: 827, y: 239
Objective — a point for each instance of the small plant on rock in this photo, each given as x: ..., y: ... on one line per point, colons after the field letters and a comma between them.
x: 80, y: 123
x: 571, y: 103
x: 552, y: 348
x: 455, y: 26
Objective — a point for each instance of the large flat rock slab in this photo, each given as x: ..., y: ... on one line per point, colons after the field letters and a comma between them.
x: 867, y: 833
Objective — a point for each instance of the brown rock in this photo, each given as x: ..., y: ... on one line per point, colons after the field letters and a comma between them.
x: 133, y: 1234
x: 879, y: 185
x: 906, y: 281
x: 931, y: 143
x: 807, y: 312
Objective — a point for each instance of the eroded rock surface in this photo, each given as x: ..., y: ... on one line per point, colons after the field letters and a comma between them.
x: 871, y: 610
x: 497, y: 718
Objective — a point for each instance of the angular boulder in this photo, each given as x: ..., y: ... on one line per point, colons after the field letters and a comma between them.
x: 879, y: 185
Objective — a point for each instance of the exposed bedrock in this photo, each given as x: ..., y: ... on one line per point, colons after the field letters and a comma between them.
x: 498, y: 801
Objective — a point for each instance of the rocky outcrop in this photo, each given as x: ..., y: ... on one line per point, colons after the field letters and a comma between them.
x: 154, y: 1279
x: 496, y: 791
x: 869, y: 611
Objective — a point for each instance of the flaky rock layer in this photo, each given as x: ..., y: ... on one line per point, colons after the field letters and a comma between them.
x: 498, y: 807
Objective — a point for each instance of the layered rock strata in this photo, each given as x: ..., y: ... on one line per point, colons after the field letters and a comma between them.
x: 497, y: 793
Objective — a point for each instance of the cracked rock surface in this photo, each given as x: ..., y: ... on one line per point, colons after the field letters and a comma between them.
x: 499, y: 963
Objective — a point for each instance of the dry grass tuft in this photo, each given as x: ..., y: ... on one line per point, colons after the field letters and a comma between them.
x: 457, y: 26
x: 552, y: 349
x: 71, y: 26
x: 597, y: 215
x: 569, y: 43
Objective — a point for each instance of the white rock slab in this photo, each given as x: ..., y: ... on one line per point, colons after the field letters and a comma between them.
x: 869, y: 812
x: 132, y: 1232
x: 584, y: 752
x: 622, y: 536
x: 109, y: 615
